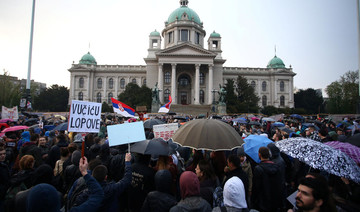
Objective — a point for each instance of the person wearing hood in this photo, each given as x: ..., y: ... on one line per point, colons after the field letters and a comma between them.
x: 72, y: 172
x: 25, y: 137
x: 160, y: 200
x: 234, y: 196
x: 190, y: 195
x: 54, y: 153
x: 266, y: 194
x: 234, y: 169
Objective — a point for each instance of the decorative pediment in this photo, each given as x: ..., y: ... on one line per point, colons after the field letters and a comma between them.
x: 185, y: 49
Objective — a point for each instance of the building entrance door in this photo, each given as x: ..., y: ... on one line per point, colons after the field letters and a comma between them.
x: 183, y: 98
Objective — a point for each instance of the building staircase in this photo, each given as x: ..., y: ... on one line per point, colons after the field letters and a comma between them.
x: 194, y: 110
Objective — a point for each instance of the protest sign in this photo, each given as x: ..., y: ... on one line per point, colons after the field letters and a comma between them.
x: 10, y: 113
x: 165, y: 131
x: 84, y: 116
x: 126, y: 133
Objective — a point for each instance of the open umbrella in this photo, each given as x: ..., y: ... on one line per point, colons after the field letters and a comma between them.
x: 306, y: 125
x: 61, y: 127
x: 321, y: 156
x: 15, y: 128
x: 253, y: 144
x: 285, y: 129
x: 268, y: 119
x: 278, y: 124
x: 240, y: 120
x: 5, y: 120
x: 208, y: 134
x: 180, y: 118
x: 354, y: 140
x: 297, y: 116
x: 255, y: 118
x: 156, y: 146
x: 349, y: 149
x: 254, y: 123
x: 148, y: 124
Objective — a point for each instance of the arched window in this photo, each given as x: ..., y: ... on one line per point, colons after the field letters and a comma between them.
x: 122, y: 83
x: 282, y: 101
x: 253, y: 84
x: 81, y: 96
x: 99, y: 83
x: 144, y: 82
x: 202, y: 96
x: 166, y: 95
x: 184, y: 80
x: 110, y: 95
x: 202, y: 78
x: 98, y: 97
x: 264, y: 101
x: 264, y: 86
x: 167, y: 77
x: 134, y: 80
x: 81, y: 82
x: 111, y: 83
x: 282, y: 86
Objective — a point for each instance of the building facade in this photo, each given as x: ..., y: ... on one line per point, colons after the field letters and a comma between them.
x: 180, y: 66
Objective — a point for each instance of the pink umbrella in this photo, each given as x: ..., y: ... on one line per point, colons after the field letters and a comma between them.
x: 349, y: 149
x: 5, y: 120
x: 15, y: 128
x: 254, y: 118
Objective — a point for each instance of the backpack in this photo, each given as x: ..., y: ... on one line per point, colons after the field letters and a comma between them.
x: 218, y: 199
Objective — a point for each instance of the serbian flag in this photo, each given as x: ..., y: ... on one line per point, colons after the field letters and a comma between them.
x: 165, y: 108
x: 122, y: 109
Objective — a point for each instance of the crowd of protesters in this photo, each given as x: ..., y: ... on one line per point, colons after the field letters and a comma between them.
x: 45, y: 171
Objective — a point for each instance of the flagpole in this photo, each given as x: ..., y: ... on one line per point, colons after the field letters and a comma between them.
x: 358, y: 22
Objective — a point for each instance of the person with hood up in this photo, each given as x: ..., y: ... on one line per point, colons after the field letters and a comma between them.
x: 25, y: 137
x: 266, y: 194
x: 72, y: 173
x: 160, y: 200
x: 234, y: 196
x: 190, y: 195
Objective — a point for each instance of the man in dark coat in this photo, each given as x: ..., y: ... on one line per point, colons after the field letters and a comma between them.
x: 266, y: 195
x: 234, y: 169
x: 31, y: 148
x: 4, y: 175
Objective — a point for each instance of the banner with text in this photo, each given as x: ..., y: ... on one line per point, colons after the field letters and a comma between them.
x: 165, y: 131
x: 84, y: 117
x: 10, y: 113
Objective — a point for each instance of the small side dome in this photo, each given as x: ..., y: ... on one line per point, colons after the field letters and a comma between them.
x: 215, y: 35
x: 88, y: 59
x: 276, y: 63
x: 155, y: 33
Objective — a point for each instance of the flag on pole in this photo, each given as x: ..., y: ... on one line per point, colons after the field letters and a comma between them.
x: 122, y: 109
x: 165, y: 108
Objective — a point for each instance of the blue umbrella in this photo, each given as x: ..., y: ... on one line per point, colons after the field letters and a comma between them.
x: 278, y: 124
x: 253, y: 144
x: 61, y: 127
x: 297, y: 116
x: 240, y: 120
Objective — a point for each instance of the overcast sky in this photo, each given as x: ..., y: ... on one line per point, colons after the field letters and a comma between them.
x: 317, y: 38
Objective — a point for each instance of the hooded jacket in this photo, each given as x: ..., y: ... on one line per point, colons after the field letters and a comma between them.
x: 161, y: 199
x: 266, y: 194
x: 234, y: 193
x: 25, y: 137
x: 190, y: 194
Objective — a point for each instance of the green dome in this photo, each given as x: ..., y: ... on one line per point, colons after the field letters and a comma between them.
x: 155, y: 33
x: 215, y: 35
x: 88, y: 59
x: 276, y: 63
x: 180, y: 11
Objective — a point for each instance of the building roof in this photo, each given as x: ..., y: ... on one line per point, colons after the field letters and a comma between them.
x: 155, y: 33
x: 215, y: 35
x: 88, y: 59
x: 184, y: 9
x: 276, y: 63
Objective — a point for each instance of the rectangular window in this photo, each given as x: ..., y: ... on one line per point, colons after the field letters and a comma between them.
x: 215, y: 44
x: 184, y: 35
x: 154, y: 43
x: 197, y: 41
x: 170, y: 37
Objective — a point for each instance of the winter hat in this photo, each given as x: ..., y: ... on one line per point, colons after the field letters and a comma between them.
x: 43, y: 198
x: 163, y: 180
x: 43, y: 174
x: 25, y: 136
x: 78, y: 138
x: 234, y: 193
x: 189, y: 184
x: 47, y: 133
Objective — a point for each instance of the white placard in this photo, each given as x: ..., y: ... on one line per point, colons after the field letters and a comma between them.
x: 165, y: 131
x: 84, y: 116
x: 126, y: 133
x: 10, y: 113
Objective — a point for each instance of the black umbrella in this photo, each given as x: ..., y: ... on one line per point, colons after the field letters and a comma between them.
x: 156, y: 146
x: 354, y: 140
x: 254, y: 123
x: 180, y: 117
x: 148, y: 124
x: 285, y: 129
x: 31, y: 121
x: 61, y: 127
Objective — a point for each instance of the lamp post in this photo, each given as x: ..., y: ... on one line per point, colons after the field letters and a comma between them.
x: 27, y: 93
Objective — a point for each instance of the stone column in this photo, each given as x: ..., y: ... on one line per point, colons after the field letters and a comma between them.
x: 173, y: 82
x: 105, y: 96
x: 211, y: 83
x: 197, y: 83
x: 73, y: 95
x: 116, y: 87
x: 90, y: 81
x: 161, y: 82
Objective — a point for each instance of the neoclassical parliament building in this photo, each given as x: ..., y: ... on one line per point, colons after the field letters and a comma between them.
x: 182, y: 67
